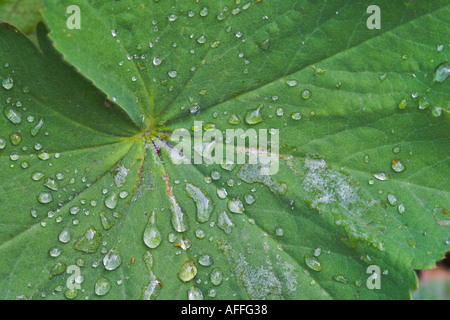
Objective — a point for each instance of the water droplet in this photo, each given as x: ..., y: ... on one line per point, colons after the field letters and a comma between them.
x: 172, y: 73
x: 265, y: 44
x: 312, y: 263
x: 157, y: 61
x: 54, y: 252
x: 296, y: 116
x: 195, y: 294
x: 216, y: 276
x: 45, y: 197
x: 199, y: 233
x: 188, y: 271
x: 106, y: 224
x: 306, y: 94
x: 201, y: 39
x: 50, y: 183
x: 254, y: 116
x: 234, y: 119
x: 236, y: 206
x: 102, y: 286
x: 64, y: 236
x: 111, y: 201
x: 112, y: 260
x: 89, y: 242
x: 15, y: 138
x: 291, y: 83
x: 436, y: 111
x: 205, y: 260
x: 317, y: 252
x: 402, y: 104
x: 224, y: 222
x: 340, y: 278
x: 12, y: 115
x: 382, y: 176
x: 249, y: 198
x: 279, y: 232
x: 152, y: 236
x: 401, y: 208
x: 172, y: 17
x: 392, y: 198
x: 204, y: 12
x: 203, y: 202
x: 8, y: 83
x: 441, y: 73
x: 397, y: 166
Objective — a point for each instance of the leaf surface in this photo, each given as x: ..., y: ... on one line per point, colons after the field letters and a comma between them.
x: 362, y: 181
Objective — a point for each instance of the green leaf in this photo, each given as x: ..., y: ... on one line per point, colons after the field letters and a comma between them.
x: 23, y: 14
x: 363, y: 166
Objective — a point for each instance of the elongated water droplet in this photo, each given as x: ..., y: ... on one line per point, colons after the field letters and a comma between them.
x: 392, y: 198
x: 152, y: 236
x: 106, y: 223
x: 291, y: 83
x: 12, y: 115
x: 340, y: 278
x: 216, y: 276
x: 441, y: 73
x: 35, y: 130
x: 382, y: 176
x: 202, y: 200
x: 224, y: 222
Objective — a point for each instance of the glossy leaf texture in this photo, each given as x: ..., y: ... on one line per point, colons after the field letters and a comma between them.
x: 88, y: 177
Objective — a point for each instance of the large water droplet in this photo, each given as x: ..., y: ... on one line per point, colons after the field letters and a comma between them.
x: 441, y: 73
x: 89, y: 242
x: 12, y: 115
x: 188, y: 271
x: 102, y: 286
x: 216, y: 276
x: 255, y: 116
x: 112, y: 260
x: 45, y: 197
x: 195, y: 293
x: 152, y: 236
x: 312, y: 263
x: 236, y: 206
x: 111, y: 201
x: 8, y: 83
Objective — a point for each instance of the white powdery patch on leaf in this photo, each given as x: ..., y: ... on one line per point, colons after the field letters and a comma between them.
x: 332, y: 192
